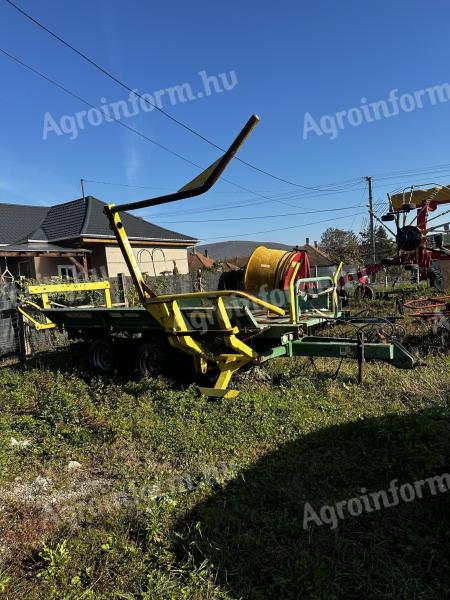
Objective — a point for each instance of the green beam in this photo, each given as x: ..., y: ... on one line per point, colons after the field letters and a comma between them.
x: 348, y: 348
x: 340, y: 349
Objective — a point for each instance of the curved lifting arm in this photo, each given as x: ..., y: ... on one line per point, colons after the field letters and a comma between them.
x: 218, y: 294
x: 201, y: 184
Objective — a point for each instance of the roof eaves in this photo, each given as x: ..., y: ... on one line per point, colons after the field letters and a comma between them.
x: 190, y: 241
x: 318, y: 250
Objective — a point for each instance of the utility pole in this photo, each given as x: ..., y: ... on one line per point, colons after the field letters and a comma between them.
x: 371, y: 221
x: 82, y: 188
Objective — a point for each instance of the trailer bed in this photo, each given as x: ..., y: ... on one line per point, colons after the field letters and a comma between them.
x: 88, y: 322
x: 111, y: 319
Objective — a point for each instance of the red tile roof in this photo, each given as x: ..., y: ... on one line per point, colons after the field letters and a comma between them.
x: 317, y: 258
x: 199, y: 261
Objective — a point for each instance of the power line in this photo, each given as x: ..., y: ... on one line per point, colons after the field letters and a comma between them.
x: 382, y: 176
x: 296, y: 195
x: 143, y: 98
x: 152, y: 187
x: 79, y: 98
x: 443, y: 170
x: 420, y: 170
x: 110, y: 75
x: 273, y: 230
x: 348, y: 186
x: 234, y: 206
x: 322, y: 210
x: 387, y: 176
x: 55, y: 83
x: 137, y: 132
x: 221, y: 207
x: 361, y: 200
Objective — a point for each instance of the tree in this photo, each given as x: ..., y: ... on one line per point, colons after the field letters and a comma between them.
x: 340, y: 244
x: 384, y: 246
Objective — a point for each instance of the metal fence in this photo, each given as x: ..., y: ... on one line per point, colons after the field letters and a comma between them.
x: 123, y: 291
x: 15, y: 334
x: 9, y: 325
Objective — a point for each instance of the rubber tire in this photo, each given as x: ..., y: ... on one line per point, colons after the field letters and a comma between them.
x: 151, y: 358
x: 103, y: 356
x: 364, y: 292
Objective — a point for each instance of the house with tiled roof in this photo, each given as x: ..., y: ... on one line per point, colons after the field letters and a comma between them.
x: 74, y: 238
x: 318, y: 260
x: 198, y: 261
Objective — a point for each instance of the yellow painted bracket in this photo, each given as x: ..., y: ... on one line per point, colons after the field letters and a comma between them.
x: 335, y: 294
x: 292, y: 295
x: 228, y: 365
x: 36, y: 324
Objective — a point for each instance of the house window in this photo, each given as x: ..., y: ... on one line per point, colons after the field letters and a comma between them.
x: 67, y: 271
x: 25, y: 269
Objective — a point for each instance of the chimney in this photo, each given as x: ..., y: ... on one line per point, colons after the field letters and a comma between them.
x: 316, y: 245
x: 307, y: 241
x: 206, y: 252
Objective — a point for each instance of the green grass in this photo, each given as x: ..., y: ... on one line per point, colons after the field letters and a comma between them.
x: 179, y: 496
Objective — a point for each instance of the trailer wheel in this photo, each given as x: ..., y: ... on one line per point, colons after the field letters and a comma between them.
x: 151, y: 359
x: 103, y: 356
x: 364, y: 292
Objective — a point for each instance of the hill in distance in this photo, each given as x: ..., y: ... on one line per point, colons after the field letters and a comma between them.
x: 222, y: 250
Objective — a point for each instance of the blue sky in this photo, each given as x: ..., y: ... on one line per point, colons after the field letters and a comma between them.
x: 289, y: 59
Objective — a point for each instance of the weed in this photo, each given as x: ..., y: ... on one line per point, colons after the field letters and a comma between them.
x: 294, y: 435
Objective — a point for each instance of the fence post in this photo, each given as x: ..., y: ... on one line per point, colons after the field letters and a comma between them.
x: 122, y: 288
x: 361, y: 357
x: 23, y: 345
x: 199, y: 281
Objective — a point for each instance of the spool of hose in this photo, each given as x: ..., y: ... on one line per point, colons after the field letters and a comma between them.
x: 266, y: 269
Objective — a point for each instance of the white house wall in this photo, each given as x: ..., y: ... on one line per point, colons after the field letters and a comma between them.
x: 162, y: 260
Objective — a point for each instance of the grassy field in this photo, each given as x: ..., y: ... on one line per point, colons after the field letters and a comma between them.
x: 118, y: 489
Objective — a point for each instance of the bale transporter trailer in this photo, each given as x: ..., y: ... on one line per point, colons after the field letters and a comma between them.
x: 222, y: 331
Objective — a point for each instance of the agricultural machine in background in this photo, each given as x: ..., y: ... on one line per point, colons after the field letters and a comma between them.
x: 419, y: 242
x: 222, y: 331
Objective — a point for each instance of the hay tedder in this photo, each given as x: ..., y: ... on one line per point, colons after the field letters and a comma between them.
x: 419, y: 239
x: 221, y: 331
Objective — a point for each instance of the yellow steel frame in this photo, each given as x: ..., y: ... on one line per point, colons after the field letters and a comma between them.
x: 36, y: 324
x: 293, y: 299
x: 335, y: 294
x: 60, y: 288
x: 166, y: 310
x: 64, y: 288
x: 116, y: 225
